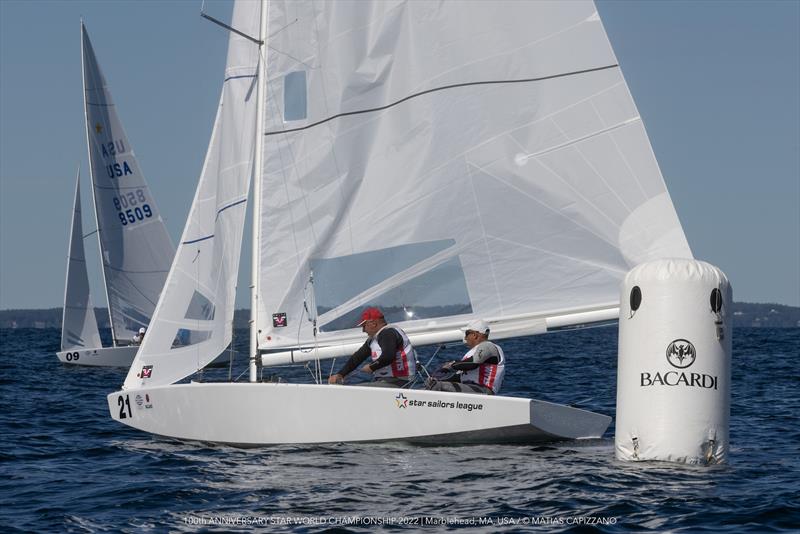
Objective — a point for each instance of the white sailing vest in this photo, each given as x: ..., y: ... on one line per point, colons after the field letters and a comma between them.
x: 487, y: 374
x: 405, y: 359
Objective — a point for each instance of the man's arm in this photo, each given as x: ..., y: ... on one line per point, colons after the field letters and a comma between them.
x: 486, y: 353
x: 355, y: 360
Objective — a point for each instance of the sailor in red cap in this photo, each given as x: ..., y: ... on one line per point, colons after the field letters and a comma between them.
x: 393, y: 360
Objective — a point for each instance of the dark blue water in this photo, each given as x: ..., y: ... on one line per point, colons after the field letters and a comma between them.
x: 66, y: 466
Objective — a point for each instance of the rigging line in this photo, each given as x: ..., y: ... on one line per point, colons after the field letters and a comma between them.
x: 134, y: 286
x: 91, y: 233
x: 443, y: 88
x: 286, y: 53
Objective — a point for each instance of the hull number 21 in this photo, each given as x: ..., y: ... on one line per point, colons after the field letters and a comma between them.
x: 124, y: 404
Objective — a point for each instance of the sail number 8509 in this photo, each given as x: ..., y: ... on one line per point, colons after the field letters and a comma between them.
x: 124, y: 403
x: 132, y: 207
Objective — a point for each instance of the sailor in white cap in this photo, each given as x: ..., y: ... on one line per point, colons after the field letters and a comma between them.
x: 481, y: 369
x: 138, y: 338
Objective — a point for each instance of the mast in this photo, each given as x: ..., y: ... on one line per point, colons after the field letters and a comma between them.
x: 92, y: 171
x: 257, y: 170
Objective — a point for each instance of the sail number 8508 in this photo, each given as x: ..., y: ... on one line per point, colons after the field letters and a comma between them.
x: 132, y: 207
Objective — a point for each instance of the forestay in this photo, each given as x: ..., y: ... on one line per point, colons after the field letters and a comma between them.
x: 136, y: 248
x: 448, y: 160
x: 79, y: 324
x: 193, y: 321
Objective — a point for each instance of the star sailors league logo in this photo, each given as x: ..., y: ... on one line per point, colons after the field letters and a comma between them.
x: 681, y: 353
x: 401, y: 400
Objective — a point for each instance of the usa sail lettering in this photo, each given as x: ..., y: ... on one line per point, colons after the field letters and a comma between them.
x: 132, y: 207
x: 110, y: 150
x: 675, y: 378
x: 116, y: 170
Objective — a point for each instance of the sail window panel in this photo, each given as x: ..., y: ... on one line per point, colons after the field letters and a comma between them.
x: 337, y: 280
x: 200, y: 308
x: 295, y: 96
x: 186, y: 337
x: 440, y: 292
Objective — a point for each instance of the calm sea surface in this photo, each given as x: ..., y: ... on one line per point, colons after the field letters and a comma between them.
x: 66, y: 466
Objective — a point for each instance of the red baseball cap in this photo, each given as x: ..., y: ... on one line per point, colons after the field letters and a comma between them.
x: 370, y: 314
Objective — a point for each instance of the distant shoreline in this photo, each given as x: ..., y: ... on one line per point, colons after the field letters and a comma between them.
x: 745, y: 314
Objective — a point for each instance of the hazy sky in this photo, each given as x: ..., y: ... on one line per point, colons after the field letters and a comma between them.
x: 717, y: 84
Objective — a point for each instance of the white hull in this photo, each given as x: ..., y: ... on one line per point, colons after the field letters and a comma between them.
x: 102, y: 357
x: 253, y: 414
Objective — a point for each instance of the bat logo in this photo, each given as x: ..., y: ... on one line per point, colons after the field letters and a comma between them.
x: 681, y: 353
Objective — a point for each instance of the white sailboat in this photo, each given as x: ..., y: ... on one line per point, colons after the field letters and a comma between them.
x: 78, y: 324
x: 442, y: 160
x: 135, y: 248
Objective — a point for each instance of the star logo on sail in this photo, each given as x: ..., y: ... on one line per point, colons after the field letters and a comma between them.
x: 401, y: 400
x: 98, y: 128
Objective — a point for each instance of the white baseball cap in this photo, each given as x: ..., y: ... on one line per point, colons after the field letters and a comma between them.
x: 477, y: 325
x: 141, y: 330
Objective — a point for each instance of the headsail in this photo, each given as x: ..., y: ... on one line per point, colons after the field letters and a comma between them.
x: 193, y: 320
x: 135, y: 246
x: 79, y: 324
x: 449, y: 160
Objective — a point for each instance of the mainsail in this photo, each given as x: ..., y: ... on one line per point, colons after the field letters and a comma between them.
x: 79, y: 324
x: 446, y: 161
x: 135, y: 247
x: 193, y: 321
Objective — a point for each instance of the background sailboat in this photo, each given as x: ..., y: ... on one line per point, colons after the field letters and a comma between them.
x: 135, y: 248
x: 79, y: 324
x: 444, y: 161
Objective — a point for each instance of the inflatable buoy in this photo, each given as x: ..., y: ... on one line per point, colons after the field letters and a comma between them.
x: 674, y: 363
